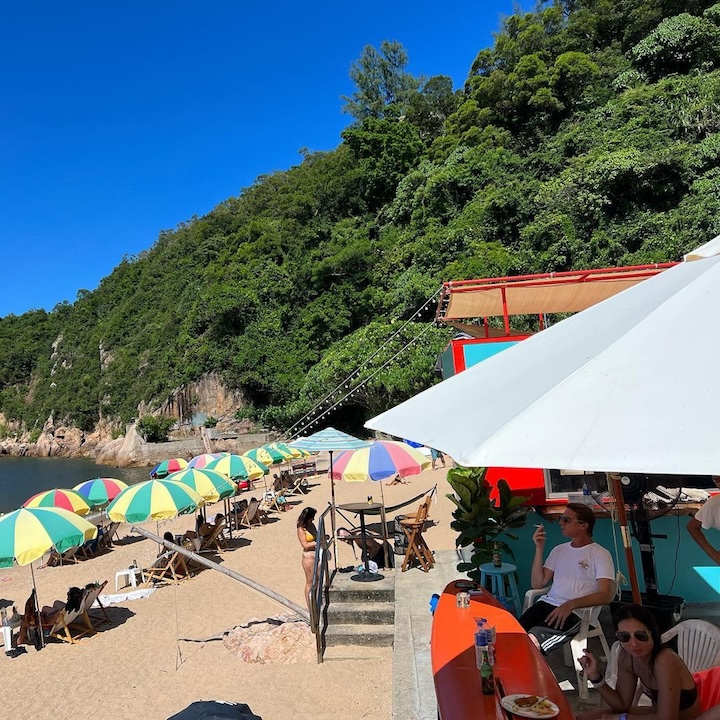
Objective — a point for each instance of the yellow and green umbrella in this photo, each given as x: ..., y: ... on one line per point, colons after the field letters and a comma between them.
x: 290, y: 452
x: 210, y: 484
x: 266, y: 455
x: 100, y: 491
x: 28, y: 533
x: 69, y: 500
x: 153, y: 499
x: 239, y: 467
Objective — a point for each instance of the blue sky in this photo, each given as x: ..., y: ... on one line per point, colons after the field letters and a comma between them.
x: 118, y: 120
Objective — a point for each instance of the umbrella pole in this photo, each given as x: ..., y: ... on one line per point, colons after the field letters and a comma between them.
x: 37, y: 609
x: 384, y: 527
x: 332, y: 495
x: 625, y: 534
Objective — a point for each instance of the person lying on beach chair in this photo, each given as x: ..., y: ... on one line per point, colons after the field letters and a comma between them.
x: 205, y: 529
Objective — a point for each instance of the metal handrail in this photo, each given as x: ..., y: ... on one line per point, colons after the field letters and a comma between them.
x: 317, y: 597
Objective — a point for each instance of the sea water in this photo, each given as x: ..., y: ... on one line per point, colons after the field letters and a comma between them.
x: 23, y: 477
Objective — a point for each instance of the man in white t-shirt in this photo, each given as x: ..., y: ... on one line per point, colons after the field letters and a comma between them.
x: 581, y: 573
x: 708, y: 516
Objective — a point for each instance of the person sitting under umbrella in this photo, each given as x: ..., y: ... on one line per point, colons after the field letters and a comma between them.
x: 376, y: 547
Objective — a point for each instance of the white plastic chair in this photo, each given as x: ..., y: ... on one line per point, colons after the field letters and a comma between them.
x: 589, y: 628
x: 698, y: 643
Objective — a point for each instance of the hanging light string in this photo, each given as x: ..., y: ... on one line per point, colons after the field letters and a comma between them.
x: 352, y: 391
x: 292, y: 430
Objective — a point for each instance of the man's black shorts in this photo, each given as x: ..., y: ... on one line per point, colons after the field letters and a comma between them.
x: 533, y: 621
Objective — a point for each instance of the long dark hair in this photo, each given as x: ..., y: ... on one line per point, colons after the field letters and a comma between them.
x: 306, y: 517
x: 641, y: 614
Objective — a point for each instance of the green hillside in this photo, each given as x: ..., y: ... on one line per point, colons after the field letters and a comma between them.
x: 589, y: 135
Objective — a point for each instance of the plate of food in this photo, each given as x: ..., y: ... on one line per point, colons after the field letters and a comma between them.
x: 530, y: 706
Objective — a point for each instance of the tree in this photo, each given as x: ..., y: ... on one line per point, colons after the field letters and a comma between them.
x: 381, y: 82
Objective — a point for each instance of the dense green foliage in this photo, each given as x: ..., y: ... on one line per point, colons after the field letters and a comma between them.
x: 589, y: 135
x: 154, y: 429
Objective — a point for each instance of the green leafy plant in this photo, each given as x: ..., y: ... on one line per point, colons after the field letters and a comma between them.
x: 210, y: 421
x: 154, y: 429
x: 479, y: 520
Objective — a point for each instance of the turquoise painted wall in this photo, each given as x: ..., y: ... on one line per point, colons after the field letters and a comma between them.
x: 682, y: 567
x: 477, y: 352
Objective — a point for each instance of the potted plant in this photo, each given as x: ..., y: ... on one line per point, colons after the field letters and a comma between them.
x: 480, y: 521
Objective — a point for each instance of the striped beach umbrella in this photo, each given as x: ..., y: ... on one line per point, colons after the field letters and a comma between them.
x: 153, y: 499
x: 210, y: 484
x: 290, y: 452
x: 100, y: 491
x: 70, y: 500
x: 382, y: 459
x: 166, y: 467
x: 27, y: 534
x: 266, y: 455
x: 202, y: 461
x: 239, y: 467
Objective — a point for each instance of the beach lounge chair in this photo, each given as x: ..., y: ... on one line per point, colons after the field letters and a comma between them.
x: 92, y: 596
x: 252, y: 515
x: 168, y: 565
x: 106, y: 540
x: 215, y: 539
x: 417, y: 547
x: 69, y: 625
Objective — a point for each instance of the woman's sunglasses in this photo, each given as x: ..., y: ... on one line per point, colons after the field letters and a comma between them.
x: 640, y: 635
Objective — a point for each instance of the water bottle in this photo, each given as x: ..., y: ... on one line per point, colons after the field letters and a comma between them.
x: 587, y: 497
x: 480, y: 643
x: 487, y: 676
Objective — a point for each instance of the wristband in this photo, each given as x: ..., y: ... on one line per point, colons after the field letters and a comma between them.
x: 599, y: 683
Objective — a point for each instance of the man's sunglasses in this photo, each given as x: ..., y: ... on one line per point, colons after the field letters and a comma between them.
x: 567, y: 519
x: 640, y: 635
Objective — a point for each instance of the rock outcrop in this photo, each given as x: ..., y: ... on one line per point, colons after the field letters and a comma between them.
x: 190, y: 405
x: 282, y: 639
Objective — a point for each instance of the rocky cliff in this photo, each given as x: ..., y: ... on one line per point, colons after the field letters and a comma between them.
x: 189, y: 405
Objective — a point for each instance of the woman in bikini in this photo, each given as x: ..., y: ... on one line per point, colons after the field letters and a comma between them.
x: 307, y: 536
x: 663, y: 676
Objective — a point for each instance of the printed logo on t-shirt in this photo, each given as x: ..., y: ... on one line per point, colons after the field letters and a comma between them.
x: 584, y: 564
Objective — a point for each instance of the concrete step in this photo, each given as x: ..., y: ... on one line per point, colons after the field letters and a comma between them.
x: 346, y: 590
x: 368, y: 635
x: 361, y: 613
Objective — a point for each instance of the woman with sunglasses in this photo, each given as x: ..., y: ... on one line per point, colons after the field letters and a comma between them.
x: 663, y: 676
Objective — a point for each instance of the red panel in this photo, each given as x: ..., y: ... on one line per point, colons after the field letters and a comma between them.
x: 522, y: 481
x: 458, y: 355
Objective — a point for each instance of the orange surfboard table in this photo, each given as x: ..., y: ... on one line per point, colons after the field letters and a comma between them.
x: 519, y: 665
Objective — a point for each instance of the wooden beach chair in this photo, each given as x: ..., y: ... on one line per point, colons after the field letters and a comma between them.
x: 252, y: 515
x: 215, y: 539
x: 70, y: 625
x: 92, y: 596
x: 417, y: 548
x: 168, y: 565
x: 64, y: 558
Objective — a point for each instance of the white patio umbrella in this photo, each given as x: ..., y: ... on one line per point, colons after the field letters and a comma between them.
x: 626, y: 385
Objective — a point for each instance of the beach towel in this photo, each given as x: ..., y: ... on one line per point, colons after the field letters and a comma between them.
x: 122, y: 597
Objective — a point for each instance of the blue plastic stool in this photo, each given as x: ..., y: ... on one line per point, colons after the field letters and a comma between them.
x: 497, y: 576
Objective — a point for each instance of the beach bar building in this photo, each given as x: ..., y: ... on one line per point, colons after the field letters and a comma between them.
x: 494, y: 314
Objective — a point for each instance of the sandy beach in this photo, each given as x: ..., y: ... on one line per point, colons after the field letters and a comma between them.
x: 155, y: 657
